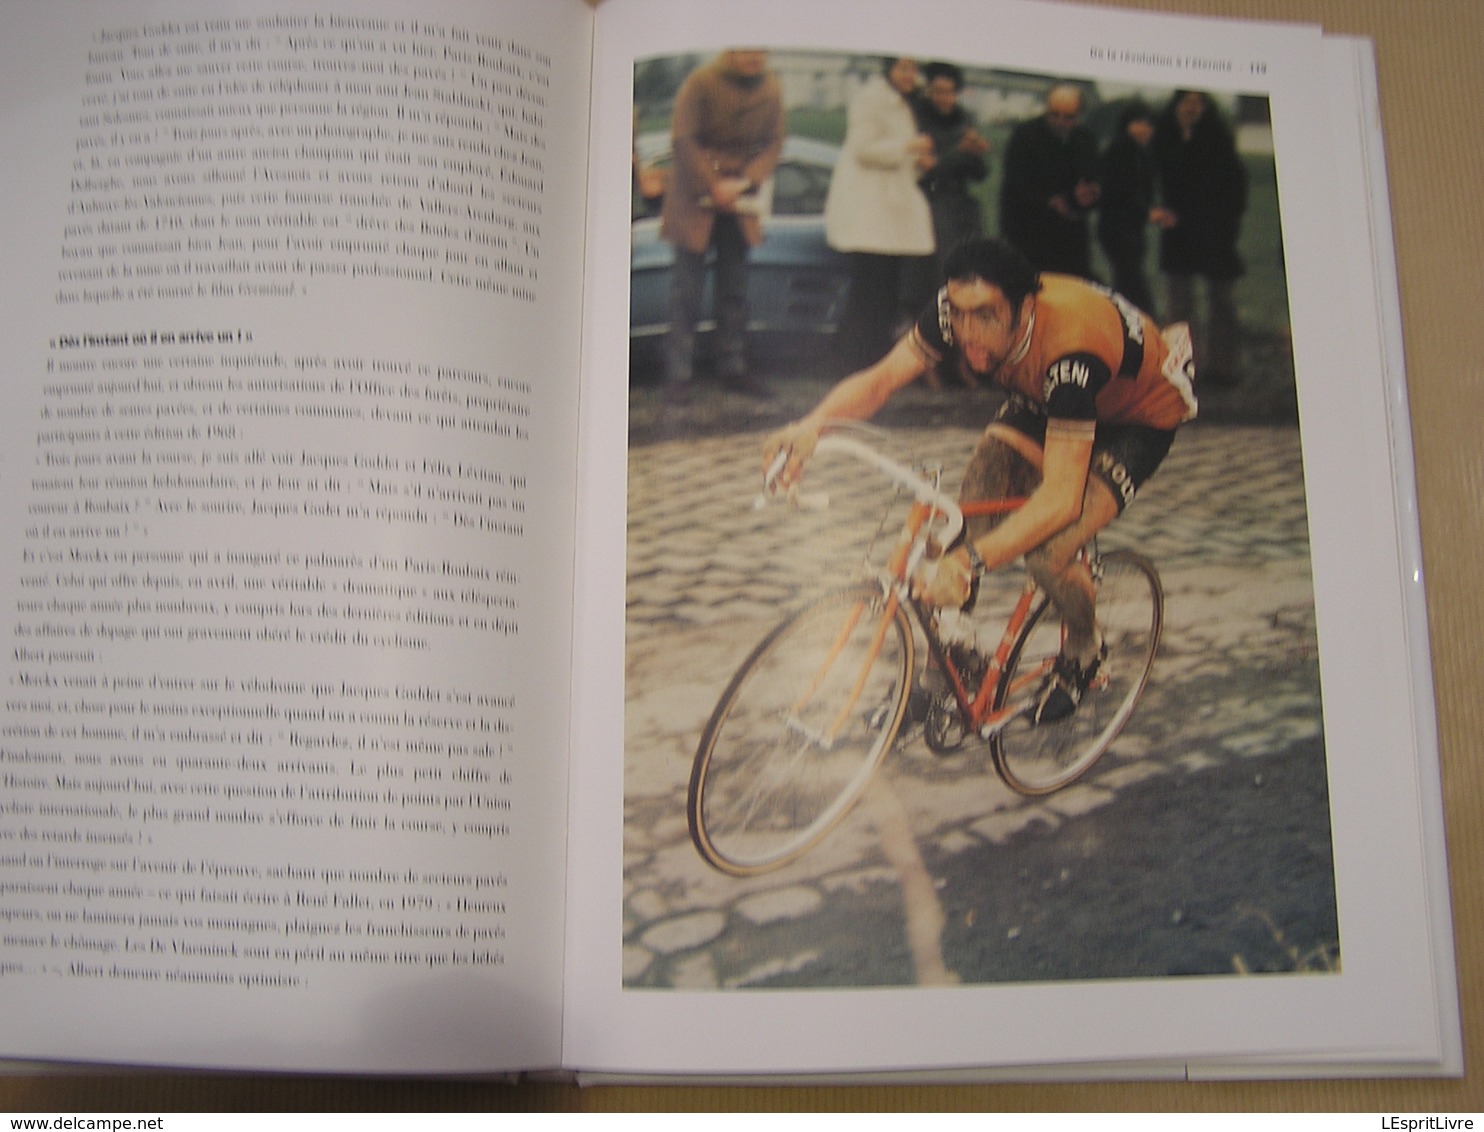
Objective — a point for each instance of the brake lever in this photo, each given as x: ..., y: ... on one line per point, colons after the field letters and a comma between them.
x: 808, y: 501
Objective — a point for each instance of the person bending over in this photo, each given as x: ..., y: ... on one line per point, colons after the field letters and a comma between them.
x: 1096, y: 393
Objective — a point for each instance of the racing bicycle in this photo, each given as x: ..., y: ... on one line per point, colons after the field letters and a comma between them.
x: 812, y: 711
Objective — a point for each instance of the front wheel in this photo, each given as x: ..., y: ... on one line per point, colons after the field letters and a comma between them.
x: 1037, y: 758
x: 799, y: 731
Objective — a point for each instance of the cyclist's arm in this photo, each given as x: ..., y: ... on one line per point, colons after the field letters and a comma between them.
x: 1054, y: 506
x: 1070, y: 386
x: 860, y: 395
x: 856, y: 397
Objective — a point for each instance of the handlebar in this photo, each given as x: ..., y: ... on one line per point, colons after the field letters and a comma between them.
x: 899, y: 474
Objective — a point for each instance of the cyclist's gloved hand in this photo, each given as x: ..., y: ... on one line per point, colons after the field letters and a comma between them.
x: 945, y: 582
x: 796, y: 441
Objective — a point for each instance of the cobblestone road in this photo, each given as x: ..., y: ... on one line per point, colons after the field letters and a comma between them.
x: 1200, y: 844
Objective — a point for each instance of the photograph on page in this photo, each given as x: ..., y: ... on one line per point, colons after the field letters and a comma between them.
x: 970, y: 623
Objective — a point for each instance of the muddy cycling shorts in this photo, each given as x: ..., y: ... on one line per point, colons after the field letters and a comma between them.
x: 1123, y: 455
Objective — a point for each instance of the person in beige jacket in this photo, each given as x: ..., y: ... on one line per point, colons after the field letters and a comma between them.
x: 727, y: 134
x: 876, y: 213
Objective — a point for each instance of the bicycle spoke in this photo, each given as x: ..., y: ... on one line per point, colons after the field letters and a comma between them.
x: 1036, y: 758
x: 777, y: 768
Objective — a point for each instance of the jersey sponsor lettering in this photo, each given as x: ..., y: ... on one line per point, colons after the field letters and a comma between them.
x: 1113, y: 473
x: 1071, y: 385
x: 1068, y: 371
x: 1133, y: 331
x: 945, y: 318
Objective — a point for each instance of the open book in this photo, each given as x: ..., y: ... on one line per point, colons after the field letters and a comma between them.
x: 328, y: 743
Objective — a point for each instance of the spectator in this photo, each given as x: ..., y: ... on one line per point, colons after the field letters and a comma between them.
x: 1203, y: 189
x: 875, y: 212
x: 727, y: 134
x: 958, y: 160
x: 1127, y: 203
x: 1051, y: 186
x: 647, y: 183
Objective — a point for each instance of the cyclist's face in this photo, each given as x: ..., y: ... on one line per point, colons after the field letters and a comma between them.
x: 984, y: 326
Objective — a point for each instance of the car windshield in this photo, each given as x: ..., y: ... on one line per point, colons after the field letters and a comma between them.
x: 799, y: 189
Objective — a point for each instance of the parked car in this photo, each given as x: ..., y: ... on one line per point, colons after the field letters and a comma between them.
x: 796, y: 283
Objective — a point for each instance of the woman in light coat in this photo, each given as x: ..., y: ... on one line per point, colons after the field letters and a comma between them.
x: 876, y: 213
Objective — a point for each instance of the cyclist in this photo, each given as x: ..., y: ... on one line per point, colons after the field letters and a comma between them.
x: 1095, y: 395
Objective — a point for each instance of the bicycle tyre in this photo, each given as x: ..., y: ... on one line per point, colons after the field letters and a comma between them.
x: 1038, y: 758
x: 799, y: 731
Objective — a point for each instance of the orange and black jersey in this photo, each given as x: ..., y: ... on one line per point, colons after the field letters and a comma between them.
x: 1089, y: 355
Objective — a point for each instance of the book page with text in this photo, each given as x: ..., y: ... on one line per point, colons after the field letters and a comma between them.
x: 292, y: 306
x: 1247, y: 876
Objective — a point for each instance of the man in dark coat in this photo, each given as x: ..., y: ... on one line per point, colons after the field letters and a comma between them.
x: 1051, y: 186
x: 1203, y: 194
x: 958, y: 160
x: 1128, y: 197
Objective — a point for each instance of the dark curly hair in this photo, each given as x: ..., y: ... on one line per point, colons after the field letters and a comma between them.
x: 949, y: 71
x: 996, y: 262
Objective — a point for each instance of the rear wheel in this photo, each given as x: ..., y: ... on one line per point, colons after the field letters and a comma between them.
x: 1037, y: 758
x: 796, y: 736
